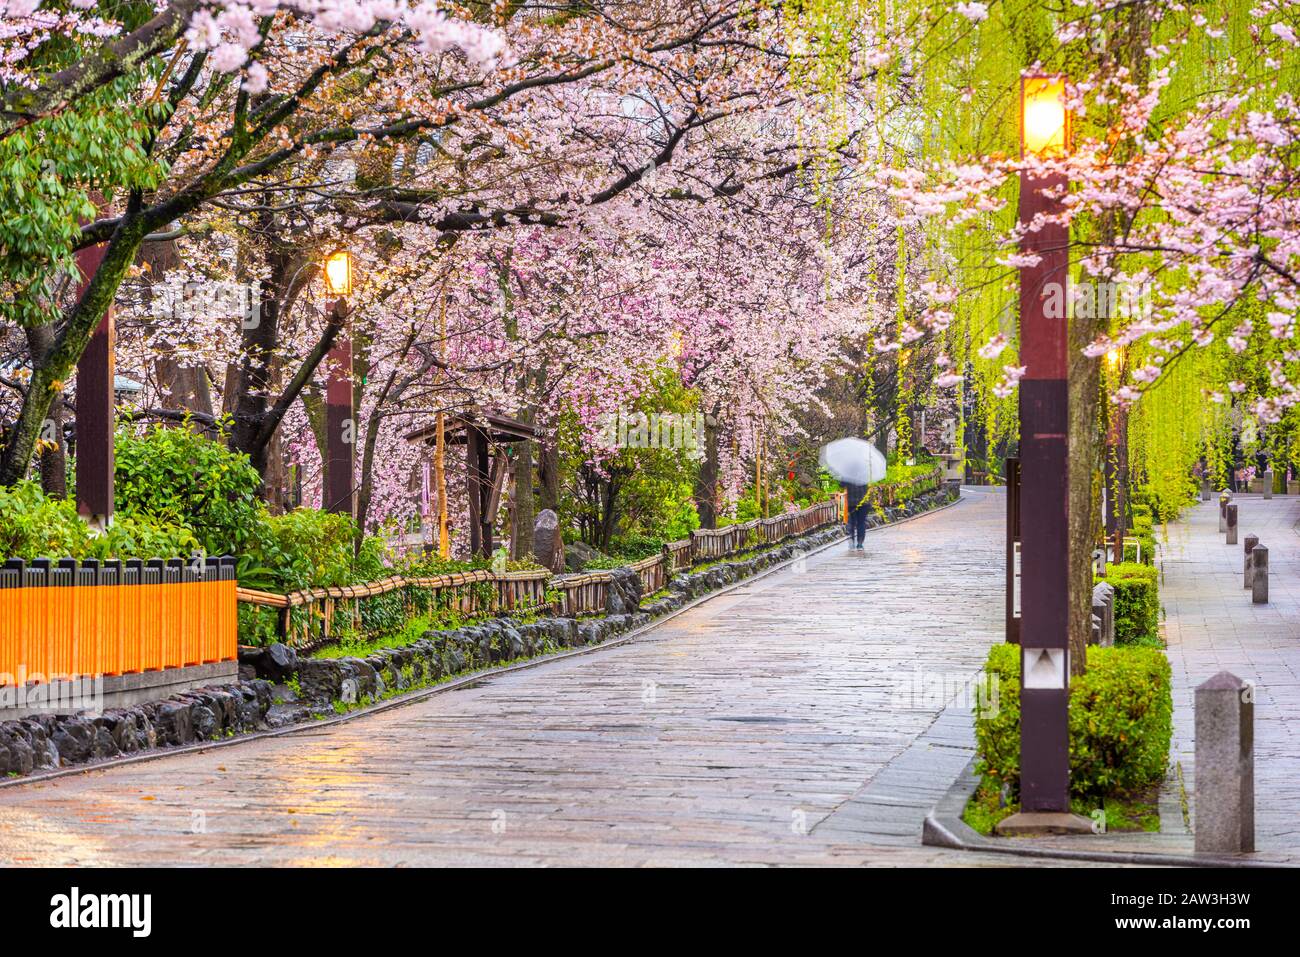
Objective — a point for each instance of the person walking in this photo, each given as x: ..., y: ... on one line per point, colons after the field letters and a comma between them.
x: 858, y: 508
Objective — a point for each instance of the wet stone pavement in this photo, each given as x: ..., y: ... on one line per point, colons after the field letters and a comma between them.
x: 791, y: 720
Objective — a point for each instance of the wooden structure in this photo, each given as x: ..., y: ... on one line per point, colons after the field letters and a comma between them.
x: 66, y: 619
x: 485, y: 476
x: 311, y: 617
x: 1013, y: 552
x: 324, y: 608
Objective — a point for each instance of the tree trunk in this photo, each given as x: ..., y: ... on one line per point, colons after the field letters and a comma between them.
x: 706, y: 479
x: 521, y: 542
x: 49, y: 375
x: 549, y: 473
x: 54, y: 458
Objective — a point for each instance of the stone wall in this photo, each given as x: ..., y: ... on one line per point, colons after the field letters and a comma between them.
x: 43, y: 742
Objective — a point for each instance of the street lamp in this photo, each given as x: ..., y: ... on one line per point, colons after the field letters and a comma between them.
x: 1044, y: 120
x: 338, y: 274
x: 1044, y: 470
x: 340, y: 425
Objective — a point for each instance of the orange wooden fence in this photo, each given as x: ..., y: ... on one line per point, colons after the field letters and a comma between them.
x: 70, y: 619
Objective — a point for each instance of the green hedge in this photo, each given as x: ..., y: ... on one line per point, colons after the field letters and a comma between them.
x: 1121, y: 720
x: 1137, y: 603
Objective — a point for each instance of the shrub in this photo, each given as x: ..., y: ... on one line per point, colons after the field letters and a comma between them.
x: 1137, y: 603
x: 134, y: 536
x: 1121, y: 720
x: 1145, y: 548
x: 178, y: 477
x: 33, y: 525
x: 309, y: 548
x: 634, y: 546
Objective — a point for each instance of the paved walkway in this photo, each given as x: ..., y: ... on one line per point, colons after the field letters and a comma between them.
x: 789, y: 721
x: 1212, y: 625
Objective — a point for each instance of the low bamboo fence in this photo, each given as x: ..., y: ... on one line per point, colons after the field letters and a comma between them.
x: 326, y: 611
x: 312, y: 616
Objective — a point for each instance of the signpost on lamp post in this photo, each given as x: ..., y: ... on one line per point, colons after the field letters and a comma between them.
x: 1044, y: 470
x: 340, y: 423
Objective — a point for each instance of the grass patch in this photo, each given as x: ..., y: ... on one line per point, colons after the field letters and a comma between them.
x: 1120, y: 813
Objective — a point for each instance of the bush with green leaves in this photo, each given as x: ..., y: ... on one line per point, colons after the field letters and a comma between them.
x: 176, y: 476
x: 635, y: 545
x: 1121, y: 720
x: 309, y: 548
x: 33, y: 525
x: 1137, y: 603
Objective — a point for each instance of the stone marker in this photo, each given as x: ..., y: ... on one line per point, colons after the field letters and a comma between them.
x: 1225, y: 766
x: 1231, y: 513
x: 1250, y: 542
x: 1103, y: 606
x: 548, y: 543
x: 1224, y: 498
x: 1259, y: 575
x: 1268, y: 483
x: 1205, y: 490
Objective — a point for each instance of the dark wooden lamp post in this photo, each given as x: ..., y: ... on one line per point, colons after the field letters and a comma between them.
x: 1116, y: 462
x: 340, y: 422
x: 96, y: 370
x: 1044, y: 474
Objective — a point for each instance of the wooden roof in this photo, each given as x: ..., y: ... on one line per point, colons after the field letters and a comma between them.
x: 500, y: 429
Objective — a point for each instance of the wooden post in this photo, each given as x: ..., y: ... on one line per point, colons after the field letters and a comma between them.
x: 1044, y: 502
x: 1013, y: 542
x: 340, y: 425
x: 96, y: 371
x: 440, y: 447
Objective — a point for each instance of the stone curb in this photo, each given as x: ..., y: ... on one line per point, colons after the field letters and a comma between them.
x: 944, y: 827
x: 464, y: 681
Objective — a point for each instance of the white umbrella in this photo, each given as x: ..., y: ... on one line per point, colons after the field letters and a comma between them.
x: 854, y: 461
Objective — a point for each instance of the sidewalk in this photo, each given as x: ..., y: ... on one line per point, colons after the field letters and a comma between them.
x: 1211, y: 625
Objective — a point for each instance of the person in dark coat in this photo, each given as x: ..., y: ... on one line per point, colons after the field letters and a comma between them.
x: 858, y: 509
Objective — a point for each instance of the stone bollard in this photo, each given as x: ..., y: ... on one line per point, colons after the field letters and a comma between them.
x: 1251, y: 542
x: 1268, y: 483
x: 1259, y: 575
x: 1094, y: 629
x: 1224, y: 498
x: 1225, y: 766
x: 1103, y: 607
x: 1231, y: 520
x: 1205, y: 490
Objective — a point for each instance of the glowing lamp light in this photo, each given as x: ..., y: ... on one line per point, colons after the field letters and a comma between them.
x: 338, y: 273
x: 1113, y: 358
x: 1044, y: 120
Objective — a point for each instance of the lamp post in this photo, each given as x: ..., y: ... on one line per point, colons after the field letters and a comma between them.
x: 96, y: 370
x: 1044, y: 477
x: 1116, y: 461
x: 340, y: 425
